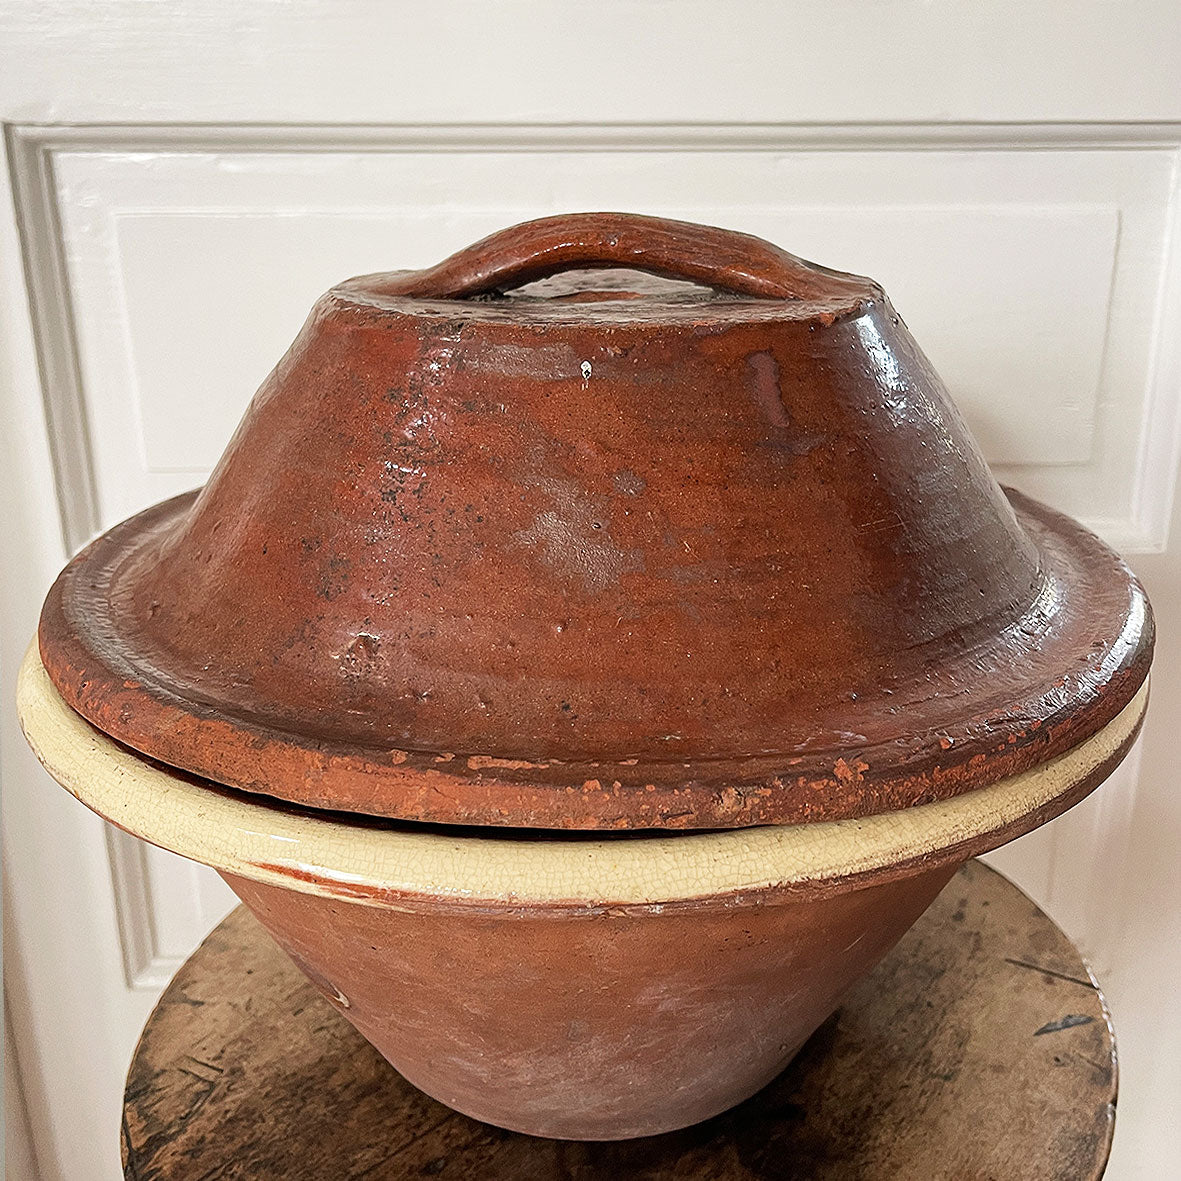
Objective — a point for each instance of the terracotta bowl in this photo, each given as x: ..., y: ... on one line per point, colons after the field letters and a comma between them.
x: 571, y: 986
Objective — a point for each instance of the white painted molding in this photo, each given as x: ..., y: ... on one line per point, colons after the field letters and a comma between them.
x: 1160, y: 442
x: 145, y: 967
x: 34, y: 192
x: 595, y: 137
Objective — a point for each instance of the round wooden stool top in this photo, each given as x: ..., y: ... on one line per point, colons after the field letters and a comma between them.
x: 979, y: 1048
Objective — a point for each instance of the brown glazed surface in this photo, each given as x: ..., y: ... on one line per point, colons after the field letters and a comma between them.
x: 620, y: 1024
x: 605, y: 552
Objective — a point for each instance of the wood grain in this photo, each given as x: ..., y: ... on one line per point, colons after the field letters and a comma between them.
x: 979, y: 1048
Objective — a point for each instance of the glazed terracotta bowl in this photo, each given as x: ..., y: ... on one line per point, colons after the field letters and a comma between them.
x: 604, y: 527
x: 570, y: 985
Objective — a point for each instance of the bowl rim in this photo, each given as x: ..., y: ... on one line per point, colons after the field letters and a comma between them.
x: 403, y: 865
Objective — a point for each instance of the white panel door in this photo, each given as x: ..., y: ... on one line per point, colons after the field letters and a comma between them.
x: 184, y: 179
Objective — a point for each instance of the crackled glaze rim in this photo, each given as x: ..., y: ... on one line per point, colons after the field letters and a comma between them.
x: 393, y: 864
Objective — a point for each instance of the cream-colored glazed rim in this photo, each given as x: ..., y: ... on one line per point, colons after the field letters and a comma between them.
x: 334, y: 857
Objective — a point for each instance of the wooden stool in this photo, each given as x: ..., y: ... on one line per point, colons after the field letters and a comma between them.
x: 979, y: 1048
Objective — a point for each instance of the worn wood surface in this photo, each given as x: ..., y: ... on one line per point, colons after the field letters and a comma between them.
x: 980, y: 1048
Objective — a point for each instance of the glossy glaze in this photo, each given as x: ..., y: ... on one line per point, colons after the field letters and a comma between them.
x: 607, y: 552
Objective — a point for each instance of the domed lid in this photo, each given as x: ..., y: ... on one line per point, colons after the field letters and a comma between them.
x: 601, y: 550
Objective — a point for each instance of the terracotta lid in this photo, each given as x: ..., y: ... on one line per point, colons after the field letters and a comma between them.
x: 601, y: 550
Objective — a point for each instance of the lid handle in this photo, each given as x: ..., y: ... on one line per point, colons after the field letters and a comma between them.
x: 724, y: 259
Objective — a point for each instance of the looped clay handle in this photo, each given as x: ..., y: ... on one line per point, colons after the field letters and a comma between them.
x: 728, y: 261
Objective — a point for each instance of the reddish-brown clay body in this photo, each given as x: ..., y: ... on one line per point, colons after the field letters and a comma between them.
x: 603, y: 552
x: 599, y: 1024
x: 592, y: 558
